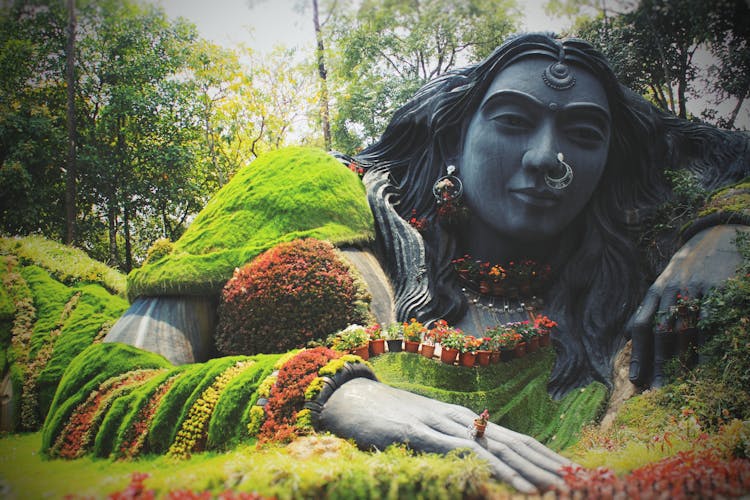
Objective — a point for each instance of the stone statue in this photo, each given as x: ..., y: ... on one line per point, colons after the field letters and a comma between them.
x: 554, y: 161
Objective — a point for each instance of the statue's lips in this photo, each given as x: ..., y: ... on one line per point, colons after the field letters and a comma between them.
x: 541, y: 198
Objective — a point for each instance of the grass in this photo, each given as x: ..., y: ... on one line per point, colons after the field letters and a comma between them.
x: 66, y: 264
x: 284, y: 195
x: 515, y: 393
x: 310, y: 468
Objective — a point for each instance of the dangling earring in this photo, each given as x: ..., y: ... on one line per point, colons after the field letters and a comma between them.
x: 560, y: 182
x: 448, y: 191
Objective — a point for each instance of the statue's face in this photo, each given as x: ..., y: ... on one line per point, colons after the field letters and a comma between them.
x: 514, y: 138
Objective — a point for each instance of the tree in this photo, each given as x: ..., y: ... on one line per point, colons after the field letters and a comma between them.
x: 389, y: 48
x: 72, y: 171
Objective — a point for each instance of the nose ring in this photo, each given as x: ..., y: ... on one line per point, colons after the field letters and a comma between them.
x: 560, y: 182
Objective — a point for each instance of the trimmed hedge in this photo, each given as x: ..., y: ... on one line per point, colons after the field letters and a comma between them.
x: 295, y: 293
x: 281, y: 196
x: 234, y: 406
x: 515, y: 393
x: 68, y: 265
x: 177, y: 402
x: 85, y: 373
x: 50, y: 297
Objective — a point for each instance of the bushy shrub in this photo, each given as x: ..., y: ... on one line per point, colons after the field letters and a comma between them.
x: 292, y: 294
x: 158, y: 249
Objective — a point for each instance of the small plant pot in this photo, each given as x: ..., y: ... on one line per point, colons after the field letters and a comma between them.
x: 483, y: 358
x: 484, y: 287
x: 428, y: 350
x: 520, y: 350
x: 362, y: 351
x: 467, y: 359
x: 411, y: 346
x: 498, y: 289
x: 377, y: 347
x: 495, y: 357
x: 448, y: 356
x: 544, y: 340
x: 532, y: 345
x: 395, y: 345
x: 479, y: 428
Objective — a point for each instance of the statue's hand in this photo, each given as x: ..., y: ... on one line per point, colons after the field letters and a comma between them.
x: 376, y: 415
x: 704, y: 262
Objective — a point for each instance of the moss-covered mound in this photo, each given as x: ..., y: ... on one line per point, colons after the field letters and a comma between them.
x: 117, y: 400
x: 292, y: 294
x: 54, y: 302
x: 284, y: 195
x: 515, y: 393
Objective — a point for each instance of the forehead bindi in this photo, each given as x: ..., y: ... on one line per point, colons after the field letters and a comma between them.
x: 531, y: 77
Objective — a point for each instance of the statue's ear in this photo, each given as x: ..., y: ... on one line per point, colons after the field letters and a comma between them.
x: 451, y: 145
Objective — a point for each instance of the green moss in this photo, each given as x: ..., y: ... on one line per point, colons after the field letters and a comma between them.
x: 734, y: 198
x: 121, y: 413
x: 85, y: 373
x: 515, y: 393
x: 50, y: 297
x: 95, y: 308
x: 177, y: 402
x: 224, y: 432
x: 67, y: 264
x: 283, y: 195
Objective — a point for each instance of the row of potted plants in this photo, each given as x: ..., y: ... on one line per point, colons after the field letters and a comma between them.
x: 502, y: 342
x: 516, y: 278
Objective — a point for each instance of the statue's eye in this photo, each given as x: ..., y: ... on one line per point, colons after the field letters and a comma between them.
x: 512, y: 120
x: 586, y: 135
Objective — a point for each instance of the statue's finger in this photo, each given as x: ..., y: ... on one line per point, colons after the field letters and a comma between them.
x: 640, y: 330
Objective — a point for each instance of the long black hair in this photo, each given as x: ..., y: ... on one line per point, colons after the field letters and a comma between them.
x: 599, y: 285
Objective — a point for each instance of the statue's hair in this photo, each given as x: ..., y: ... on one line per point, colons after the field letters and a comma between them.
x: 600, y: 284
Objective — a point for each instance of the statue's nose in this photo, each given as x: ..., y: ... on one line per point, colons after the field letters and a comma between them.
x: 541, y: 155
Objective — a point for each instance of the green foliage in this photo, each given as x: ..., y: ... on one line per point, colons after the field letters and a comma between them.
x: 515, y: 393
x: 66, y: 264
x: 284, y: 195
x: 95, y: 309
x: 85, y: 373
x: 387, y: 50
x: 177, y: 402
x: 238, y: 397
x: 295, y: 293
x: 159, y: 249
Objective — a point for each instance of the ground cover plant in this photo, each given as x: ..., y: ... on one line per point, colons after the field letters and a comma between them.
x: 265, y: 203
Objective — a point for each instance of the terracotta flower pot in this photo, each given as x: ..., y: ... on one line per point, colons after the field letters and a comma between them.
x: 484, y: 287
x: 495, y: 357
x: 520, y: 349
x: 479, y: 427
x: 448, y: 355
x: 395, y: 345
x: 483, y: 358
x: 532, y: 345
x: 411, y: 346
x: 544, y: 340
x: 377, y: 347
x: 498, y: 289
x: 467, y: 359
x: 362, y: 351
x: 428, y: 350
x: 507, y: 355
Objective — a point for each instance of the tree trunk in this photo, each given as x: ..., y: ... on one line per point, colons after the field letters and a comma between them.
x: 324, y: 108
x: 126, y: 231
x: 72, y: 171
x: 112, y: 221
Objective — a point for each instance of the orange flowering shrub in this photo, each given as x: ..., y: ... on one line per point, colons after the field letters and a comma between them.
x: 287, y: 296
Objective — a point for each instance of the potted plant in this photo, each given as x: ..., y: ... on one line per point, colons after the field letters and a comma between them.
x: 508, y: 339
x: 428, y: 344
x: 544, y: 327
x: 377, y: 342
x: 394, y: 336
x: 413, y: 331
x: 450, y: 346
x: 468, y: 351
x: 480, y: 423
x: 497, y: 275
x: 529, y: 334
x: 484, y: 351
x: 352, y: 339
